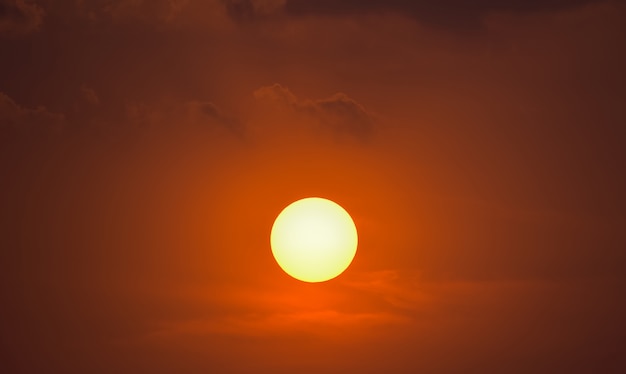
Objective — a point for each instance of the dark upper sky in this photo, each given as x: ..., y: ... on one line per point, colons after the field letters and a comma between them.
x: 455, y: 14
x: 147, y: 146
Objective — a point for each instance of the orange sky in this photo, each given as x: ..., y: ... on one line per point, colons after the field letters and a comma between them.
x: 147, y: 146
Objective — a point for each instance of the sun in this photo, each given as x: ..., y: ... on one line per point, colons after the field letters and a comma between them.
x: 314, y: 239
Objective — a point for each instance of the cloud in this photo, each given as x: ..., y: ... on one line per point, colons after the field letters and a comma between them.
x: 338, y: 113
x: 368, y: 302
x: 247, y: 10
x: 397, y: 291
x: 451, y: 13
x: 325, y: 322
x: 278, y: 94
x: 125, y: 10
x: 18, y: 17
x: 90, y: 95
x: 200, y: 112
x: 16, y: 117
x: 178, y: 115
x: 343, y: 114
x: 164, y: 9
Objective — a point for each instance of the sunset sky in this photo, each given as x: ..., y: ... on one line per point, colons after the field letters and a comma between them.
x: 146, y: 147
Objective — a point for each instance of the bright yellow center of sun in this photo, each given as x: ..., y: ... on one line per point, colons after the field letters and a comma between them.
x: 314, y: 239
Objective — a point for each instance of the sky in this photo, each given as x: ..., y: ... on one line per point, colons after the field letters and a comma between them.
x: 146, y: 148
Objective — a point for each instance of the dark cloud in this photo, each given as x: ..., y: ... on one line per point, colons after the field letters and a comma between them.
x: 144, y: 11
x: 18, y: 118
x: 343, y: 114
x: 18, y: 17
x: 163, y: 10
x: 246, y: 10
x: 339, y: 113
x: 453, y: 13
x: 177, y: 117
x: 90, y: 95
x: 207, y: 112
x: 278, y: 94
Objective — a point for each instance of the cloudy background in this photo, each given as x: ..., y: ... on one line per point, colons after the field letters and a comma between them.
x: 147, y: 146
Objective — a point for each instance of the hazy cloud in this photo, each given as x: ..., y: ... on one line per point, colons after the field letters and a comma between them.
x: 14, y: 116
x: 245, y: 10
x: 451, y: 13
x: 201, y: 112
x: 152, y: 10
x: 327, y: 322
x: 343, y: 114
x: 90, y: 95
x: 370, y: 300
x: 163, y: 9
x: 173, y: 116
x: 398, y: 292
x: 18, y: 17
x: 339, y: 113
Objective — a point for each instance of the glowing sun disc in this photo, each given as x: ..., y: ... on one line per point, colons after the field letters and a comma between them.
x: 314, y: 239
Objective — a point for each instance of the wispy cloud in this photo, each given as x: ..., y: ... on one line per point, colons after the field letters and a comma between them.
x: 338, y: 113
x: 16, y: 117
x: 18, y: 17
